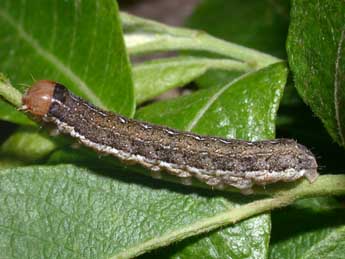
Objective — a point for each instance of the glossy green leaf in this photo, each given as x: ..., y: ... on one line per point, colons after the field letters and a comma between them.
x: 313, y: 228
x: 316, y: 57
x: 243, y: 109
x: 77, y: 43
x: 155, y: 77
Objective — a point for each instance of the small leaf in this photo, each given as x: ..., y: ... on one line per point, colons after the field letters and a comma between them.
x: 77, y: 43
x: 155, y: 77
x: 316, y: 56
x: 28, y: 144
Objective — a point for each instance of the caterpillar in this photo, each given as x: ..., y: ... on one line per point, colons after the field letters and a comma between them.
x: 215, y: 161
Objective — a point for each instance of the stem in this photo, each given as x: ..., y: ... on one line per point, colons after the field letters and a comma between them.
x: 223, y: 64
x: 144, y: 36
x: 209, y: 63
x: 9, y: 93
x: 325, y: 185
x: 201, y: 42
x: 152, y: 78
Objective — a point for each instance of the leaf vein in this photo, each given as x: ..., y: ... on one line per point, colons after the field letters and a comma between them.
x: 209, y: 103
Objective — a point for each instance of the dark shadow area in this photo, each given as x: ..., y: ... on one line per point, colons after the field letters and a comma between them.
x: 6, y: 129
x: 290, y: 222
x: 296, y: 120
x: 166, y: 11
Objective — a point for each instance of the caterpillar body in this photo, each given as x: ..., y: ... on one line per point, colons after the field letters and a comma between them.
x: 215, y: 161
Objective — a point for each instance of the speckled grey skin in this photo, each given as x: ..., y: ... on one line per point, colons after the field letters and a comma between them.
x: 215, y: 161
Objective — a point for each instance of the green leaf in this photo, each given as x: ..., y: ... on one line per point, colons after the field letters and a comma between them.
x: 66, y: 211
x: 315, y: 228
x: 155, y: 77
x: 28, y: 144
x: 331, y: 247
x: 242, y: 240
x: 245, y: 108
x: 77, y: 43
x: 316, y: 50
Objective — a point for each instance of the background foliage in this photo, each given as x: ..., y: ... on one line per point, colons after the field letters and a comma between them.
x: 67, y: 203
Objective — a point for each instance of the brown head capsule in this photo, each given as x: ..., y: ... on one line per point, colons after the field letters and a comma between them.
x: 38, y: 98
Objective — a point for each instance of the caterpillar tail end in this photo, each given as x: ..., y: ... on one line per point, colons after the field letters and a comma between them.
x: 311, y: 175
